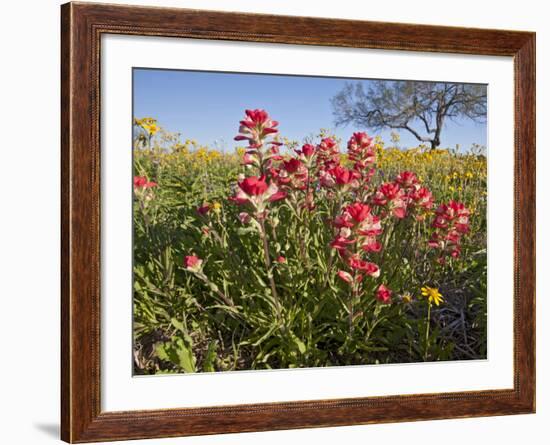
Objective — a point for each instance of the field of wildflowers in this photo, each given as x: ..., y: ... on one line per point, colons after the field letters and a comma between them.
x: 285, y: 255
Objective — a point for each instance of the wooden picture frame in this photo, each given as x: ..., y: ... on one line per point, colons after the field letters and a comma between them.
x: 82, y: 26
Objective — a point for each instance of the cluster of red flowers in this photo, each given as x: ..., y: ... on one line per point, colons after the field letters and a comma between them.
x: 359, y: 224
x: 144, y: 190
x: 451, y: 221
x: 328, y: 153
x: 403, y: 195
x: 256, y: 191
x: 332, y: 174
x: 357, y: 232
x: 340, y: 177
x: 141, y: 183
x: 258, y: 128
x: 361, y: 152
x: 255, y: 128
x: 292, y: 174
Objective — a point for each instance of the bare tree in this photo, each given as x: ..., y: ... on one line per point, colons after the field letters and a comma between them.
x: 420, y: 108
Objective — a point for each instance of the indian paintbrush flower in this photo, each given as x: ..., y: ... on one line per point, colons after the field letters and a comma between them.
x: 256, y: 127
x: 383, y: 294
x: 256, y: 191
x: 192, y: 263
x: 451, y: 221
x: 141, y: 182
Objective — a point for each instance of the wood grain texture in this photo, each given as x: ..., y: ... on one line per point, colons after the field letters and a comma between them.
x: 81, y: 28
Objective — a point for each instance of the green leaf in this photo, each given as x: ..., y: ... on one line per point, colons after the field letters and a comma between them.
x: 210, y: 358
x: 178, y: 353
x: 185, y: 356
x: 300, y: 344
x: 213, y: 287
x: 177, y: 324
x: 162, y: 351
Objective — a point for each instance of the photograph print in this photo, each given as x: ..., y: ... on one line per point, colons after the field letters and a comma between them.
x: 284, y: 221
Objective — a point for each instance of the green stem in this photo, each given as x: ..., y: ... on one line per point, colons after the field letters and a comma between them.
x: 350, y: 305
x: 267, y: 260
x: 427, y: 340
x: 216, y: 290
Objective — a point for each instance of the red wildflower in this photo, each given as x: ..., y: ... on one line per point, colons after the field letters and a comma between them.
x: 383, y: 294
x: 358, y: 211
x: 454, y: 213
x: 345, y: 276
x: 386, y: 192
x: 422, y: 197
x: 370, y: 226
x: 343, y: 220
x: 328, y: 153
x: 357, y: 218
x: 399, y: 212
x: 255, y: 127
x: 192, y: 263
x: 253, y: 185
x: 257, y: 118
x: 390, y: 194
x: 292, y: 165
x: 341, y: 243
x: 440, y: 222
x: 308, y: 150
x: 369, y: 268
x: 371, y: 245
x: 406, y: 179
x: 203, y: 209
x: 361, y: 150
x: 342, y: 176
x: 141, y: 182
x: 450, y: 222
x: 277, y: 196
x: 255, y: 190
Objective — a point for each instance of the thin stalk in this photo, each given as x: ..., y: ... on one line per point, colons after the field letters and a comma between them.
x: 267, y: 260
x: 350, y: 305
x: 335, y: 210
x: 216, y: 290
x: 427, y: 339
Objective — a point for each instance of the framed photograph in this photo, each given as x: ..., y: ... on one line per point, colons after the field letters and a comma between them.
x: 274, y: 222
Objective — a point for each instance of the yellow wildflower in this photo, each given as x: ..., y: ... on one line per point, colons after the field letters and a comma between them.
x: 432, y: 294
x: 406, y: 297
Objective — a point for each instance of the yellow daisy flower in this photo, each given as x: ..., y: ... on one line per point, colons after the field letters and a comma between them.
x: 432, y: 294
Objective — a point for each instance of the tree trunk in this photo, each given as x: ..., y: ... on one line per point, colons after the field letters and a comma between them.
x: 436, y: 141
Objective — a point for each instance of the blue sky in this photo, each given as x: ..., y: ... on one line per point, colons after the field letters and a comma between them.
x: 207, y: 106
